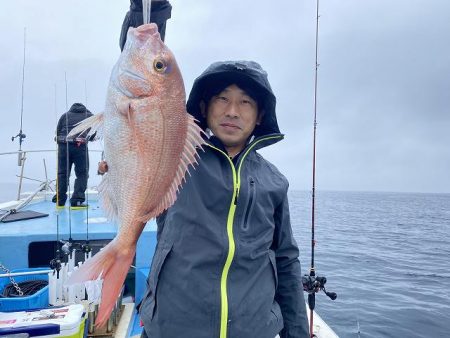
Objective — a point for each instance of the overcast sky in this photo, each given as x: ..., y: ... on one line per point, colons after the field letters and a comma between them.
x: 383, y: 94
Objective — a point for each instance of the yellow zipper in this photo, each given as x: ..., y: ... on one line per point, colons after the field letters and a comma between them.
x: 232, y: 244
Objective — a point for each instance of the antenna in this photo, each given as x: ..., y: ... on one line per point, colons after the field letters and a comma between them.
x: 21, y: 135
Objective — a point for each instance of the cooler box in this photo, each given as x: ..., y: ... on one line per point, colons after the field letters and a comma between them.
x: 67, y: 321
x: 35, y: 301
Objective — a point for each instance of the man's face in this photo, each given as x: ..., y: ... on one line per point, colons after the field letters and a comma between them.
x: 232, y: 116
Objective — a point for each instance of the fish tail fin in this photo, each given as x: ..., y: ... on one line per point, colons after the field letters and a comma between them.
x: 112, y: 285
x: 111, y: 264
x: 94, y: 124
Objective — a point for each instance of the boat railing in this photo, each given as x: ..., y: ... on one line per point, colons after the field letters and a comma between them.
x: 50, y: 172
x: 26, y: 273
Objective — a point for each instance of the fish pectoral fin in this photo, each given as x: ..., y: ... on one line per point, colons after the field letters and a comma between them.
x: 93, y: 124
x: 125, y: 108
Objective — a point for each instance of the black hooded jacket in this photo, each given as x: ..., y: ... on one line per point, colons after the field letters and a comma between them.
x: 246, y: 74
x: 77, y: 113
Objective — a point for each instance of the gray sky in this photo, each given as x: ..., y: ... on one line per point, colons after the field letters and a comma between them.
x: 384, y: 78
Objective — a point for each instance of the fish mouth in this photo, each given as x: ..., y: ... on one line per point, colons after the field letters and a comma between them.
x: 145, y: 31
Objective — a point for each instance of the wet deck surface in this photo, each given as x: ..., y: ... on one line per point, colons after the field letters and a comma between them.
x: 60, y: 224
x: 67, y: 219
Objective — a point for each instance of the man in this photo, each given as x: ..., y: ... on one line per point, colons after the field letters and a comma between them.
x: 226, y: 263
x: 72, y: 152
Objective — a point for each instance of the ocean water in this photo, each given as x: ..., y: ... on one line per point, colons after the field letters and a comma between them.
x: 386, y: 255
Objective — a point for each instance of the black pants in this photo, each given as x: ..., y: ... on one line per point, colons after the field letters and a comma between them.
x: 68, y: 154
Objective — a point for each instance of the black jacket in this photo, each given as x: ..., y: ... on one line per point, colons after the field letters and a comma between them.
x: 77, y: 113
x: 161, y: 11
x: 226, y: 263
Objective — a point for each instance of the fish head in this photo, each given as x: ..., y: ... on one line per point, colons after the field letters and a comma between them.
x: 146, y: 66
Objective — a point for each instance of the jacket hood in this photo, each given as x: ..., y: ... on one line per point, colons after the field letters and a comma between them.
x: 245, y: 74
x: 78, y: 108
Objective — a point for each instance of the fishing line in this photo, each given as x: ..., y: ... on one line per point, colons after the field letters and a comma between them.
x: 146, y: 10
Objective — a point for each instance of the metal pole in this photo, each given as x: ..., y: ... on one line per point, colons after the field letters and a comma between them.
x: 14, y: 274
x: 85, y: 93
x: 23, y: 88
x: 21, y: 174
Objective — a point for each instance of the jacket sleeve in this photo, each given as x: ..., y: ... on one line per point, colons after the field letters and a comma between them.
x: 289, y: 293
x: 161, y: 12
x: 59, y: 126
x: 60, y: 138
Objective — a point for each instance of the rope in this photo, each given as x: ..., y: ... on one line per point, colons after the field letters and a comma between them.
x: 28, y: 288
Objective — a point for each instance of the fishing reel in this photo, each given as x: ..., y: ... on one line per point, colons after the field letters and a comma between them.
x: 70, y: 246
x: 86, y: 248
x: 56, y: 264
x: 313, y: 284
x: 66, y: 247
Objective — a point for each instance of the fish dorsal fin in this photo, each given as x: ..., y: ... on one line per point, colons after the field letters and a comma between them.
x: 93, y: 123
x: 194, y: 141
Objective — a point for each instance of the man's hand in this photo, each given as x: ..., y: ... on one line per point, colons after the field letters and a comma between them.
x: 102, y: 167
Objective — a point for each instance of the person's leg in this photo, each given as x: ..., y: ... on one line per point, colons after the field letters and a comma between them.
x: 63, y: 174
x: 81, y: 161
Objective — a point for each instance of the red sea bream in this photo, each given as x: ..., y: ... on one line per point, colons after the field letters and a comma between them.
x: 149, y: 143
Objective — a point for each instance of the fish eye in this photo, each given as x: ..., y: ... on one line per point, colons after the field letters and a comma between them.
x: 159, y: 65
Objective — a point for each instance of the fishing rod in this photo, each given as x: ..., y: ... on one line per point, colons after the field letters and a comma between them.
x: 55, y: 263
x: 312, y: 283
x: 86, y: 248
x: 67, y: 245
